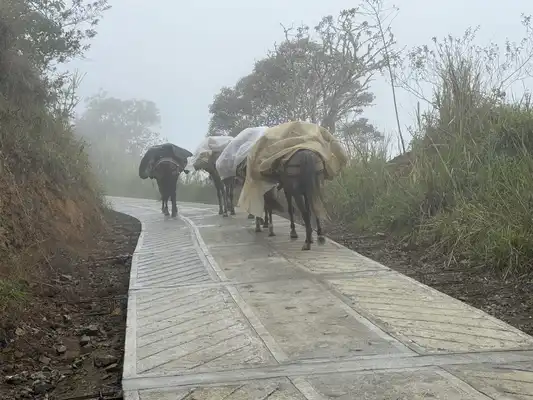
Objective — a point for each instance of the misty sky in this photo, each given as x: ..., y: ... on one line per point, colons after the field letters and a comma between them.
x: 179, y: 55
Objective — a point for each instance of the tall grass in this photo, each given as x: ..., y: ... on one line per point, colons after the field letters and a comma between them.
x: 465, y: 188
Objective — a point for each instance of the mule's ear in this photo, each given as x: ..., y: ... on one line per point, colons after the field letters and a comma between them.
x: 186, y: 171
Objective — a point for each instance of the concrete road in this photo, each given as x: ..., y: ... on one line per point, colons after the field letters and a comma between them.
x: 217, y: 311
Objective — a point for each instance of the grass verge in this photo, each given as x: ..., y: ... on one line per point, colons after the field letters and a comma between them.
x: 464, y: 190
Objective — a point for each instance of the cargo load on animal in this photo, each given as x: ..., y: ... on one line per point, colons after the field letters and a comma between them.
x: 155, y: 154
x: 275, y: 147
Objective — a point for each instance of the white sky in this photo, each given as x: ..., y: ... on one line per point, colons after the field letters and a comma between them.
x: 180, y: 55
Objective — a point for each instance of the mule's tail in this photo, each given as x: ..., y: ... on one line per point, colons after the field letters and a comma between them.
x: 309, y: 182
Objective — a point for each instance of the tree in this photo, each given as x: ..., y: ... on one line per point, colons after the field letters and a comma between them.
x: 382, y: 18
x: 359, y: 137
x: 35, y: 37
x: 124, y: 125
x: 118, y: 133
x: 50, y: 32
x: 46, y: 33
x: 231, y: 112
x: 321, y: 77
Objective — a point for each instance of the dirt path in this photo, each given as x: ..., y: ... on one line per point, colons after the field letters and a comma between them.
x: 70, y: 340
x: 510, y: 300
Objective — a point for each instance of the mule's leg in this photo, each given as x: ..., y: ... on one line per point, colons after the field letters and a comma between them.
x: 319, y: 232
x: 220, y: 201
x: 173, y: 200
x: 309, y: 215
x: 165, y: 207
x: 230, y: 196
x: 320, y: 235
x: 221, y: 193
x: 258, y: 224
x: 270, y: 223
x: 304, y: 210
x: 224, y: 203
x: 160, y: 185
x: 225, y: 185
x: 265, y: 220
x: 288, y: 196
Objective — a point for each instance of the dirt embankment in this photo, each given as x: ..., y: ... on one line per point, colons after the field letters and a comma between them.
x: 68, y: 338
x: 61, y: 282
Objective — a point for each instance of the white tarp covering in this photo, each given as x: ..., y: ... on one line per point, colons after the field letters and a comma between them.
x: 237, y: 150
x: 209, y: 146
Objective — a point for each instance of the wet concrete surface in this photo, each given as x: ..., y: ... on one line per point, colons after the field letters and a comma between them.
x: 217, y: 311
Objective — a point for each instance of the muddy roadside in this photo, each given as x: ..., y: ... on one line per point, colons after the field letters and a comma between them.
x: 69, y: 341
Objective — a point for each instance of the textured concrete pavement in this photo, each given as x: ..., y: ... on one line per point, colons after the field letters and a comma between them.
x: 217, y: 311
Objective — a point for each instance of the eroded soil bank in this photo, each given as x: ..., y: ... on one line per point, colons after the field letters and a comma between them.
x: 69, y: 340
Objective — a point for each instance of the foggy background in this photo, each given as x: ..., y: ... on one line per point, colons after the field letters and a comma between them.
x: 179, y: 54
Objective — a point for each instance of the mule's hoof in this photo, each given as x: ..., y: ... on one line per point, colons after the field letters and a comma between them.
x: 271, y: 234
x: 232, y: 213
x: 321, y: 240
x: 220, y: 212
x: 258, y: 229
x: 306, y: 246
x: 294, y: 235
x: 174, y: 215
x: 225, y: 215
x: 250, y: 216
x: 265, y: 226
x: 166, y: 213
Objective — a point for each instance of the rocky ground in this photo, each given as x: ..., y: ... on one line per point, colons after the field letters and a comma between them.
x: 68, y: 343
x: 510, y: 300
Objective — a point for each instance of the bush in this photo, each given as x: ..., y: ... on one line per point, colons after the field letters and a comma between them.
x: 465, y: 188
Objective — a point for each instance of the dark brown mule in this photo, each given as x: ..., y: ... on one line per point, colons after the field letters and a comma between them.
x: 164, y: 163
x: 301, y: 179
x: 166, y: 172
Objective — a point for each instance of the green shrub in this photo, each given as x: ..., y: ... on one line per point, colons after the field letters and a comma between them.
x: 465, y: 188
